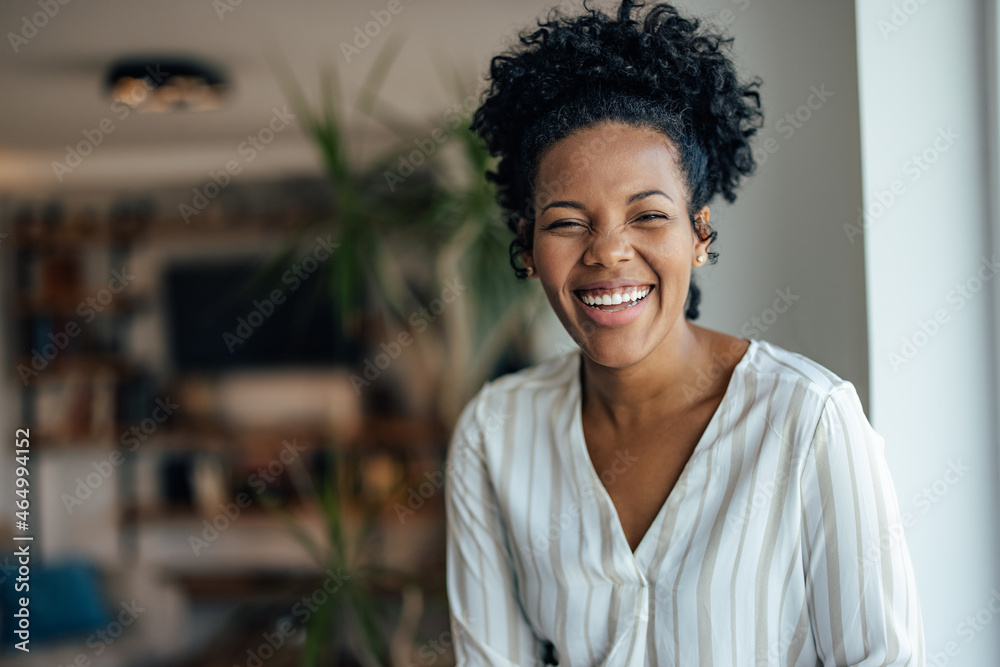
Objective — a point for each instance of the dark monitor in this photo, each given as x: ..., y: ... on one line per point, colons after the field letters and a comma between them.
x: 225, y: 314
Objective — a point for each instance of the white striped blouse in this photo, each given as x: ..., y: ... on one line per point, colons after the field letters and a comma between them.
x: 780, y: 544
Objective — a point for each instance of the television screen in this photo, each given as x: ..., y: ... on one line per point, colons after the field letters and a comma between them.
x: 232, y: 313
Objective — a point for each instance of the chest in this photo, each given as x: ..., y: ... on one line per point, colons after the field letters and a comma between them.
x: 582, y: 589
x: 639, y: 468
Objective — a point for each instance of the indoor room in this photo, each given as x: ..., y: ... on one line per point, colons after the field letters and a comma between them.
x: 328, y: 340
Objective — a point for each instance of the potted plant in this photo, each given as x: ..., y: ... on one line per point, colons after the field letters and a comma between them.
x: 402, y: 235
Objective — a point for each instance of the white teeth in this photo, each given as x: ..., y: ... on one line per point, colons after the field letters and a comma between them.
x: 615, y: 298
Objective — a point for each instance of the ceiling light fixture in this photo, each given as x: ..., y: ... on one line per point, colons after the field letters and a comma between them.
x: 166, y: 84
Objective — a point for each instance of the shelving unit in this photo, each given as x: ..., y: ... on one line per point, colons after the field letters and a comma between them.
x: 94, y: 390
x: 69, y: 309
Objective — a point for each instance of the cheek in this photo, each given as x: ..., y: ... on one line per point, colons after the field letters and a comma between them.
x: 668, y: 253
x: 555, y: 256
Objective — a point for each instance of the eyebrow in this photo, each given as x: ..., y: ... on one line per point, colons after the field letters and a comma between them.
x: 567, y: 203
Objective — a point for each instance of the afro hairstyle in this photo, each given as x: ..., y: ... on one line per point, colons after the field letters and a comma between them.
x: 656, y: 71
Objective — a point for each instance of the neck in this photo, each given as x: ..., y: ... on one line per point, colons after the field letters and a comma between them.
x: 662, y: 383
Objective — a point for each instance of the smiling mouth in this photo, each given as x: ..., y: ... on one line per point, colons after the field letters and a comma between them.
x: 614, y: 300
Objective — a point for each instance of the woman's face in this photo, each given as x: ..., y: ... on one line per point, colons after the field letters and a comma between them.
x: 612, y: 228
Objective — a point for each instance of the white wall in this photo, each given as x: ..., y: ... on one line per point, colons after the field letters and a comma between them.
x: 784, y: 232
x: 936, y: 408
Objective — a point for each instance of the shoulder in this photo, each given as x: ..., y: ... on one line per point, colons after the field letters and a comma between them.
x: 540, y: 383
x: 835, y: 436
x: 771, y: 365
x: 793, y: 392
x: 769, y: 359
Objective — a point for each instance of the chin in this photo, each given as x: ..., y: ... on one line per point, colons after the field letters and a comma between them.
x: 612, y: 348
x: 615, y: 353
x: 617, y: 347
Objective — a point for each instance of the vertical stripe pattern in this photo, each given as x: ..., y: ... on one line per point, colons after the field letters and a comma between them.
x: 779, y: 544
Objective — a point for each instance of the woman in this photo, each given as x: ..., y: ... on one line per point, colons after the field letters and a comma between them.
x: 669, y: 494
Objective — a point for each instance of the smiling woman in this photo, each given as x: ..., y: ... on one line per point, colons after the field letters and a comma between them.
x: 622, y: 512
x: 617, y: 231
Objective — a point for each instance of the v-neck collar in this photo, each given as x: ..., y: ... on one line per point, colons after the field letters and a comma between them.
x: 586, y: 466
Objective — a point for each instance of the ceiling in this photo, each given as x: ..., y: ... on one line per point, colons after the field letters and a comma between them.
x: 53, y: 97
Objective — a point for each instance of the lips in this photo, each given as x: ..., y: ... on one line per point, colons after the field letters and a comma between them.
x: 613, y: 304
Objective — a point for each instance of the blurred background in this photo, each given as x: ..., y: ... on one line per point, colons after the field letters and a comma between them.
x: 251, y: 272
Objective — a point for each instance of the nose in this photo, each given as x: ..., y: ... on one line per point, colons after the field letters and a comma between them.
x: 608, y: 248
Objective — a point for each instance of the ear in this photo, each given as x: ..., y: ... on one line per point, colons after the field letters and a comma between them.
x: 527, y: 257
x: 701, y: 226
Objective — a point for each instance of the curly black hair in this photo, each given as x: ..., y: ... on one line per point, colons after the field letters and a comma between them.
x: 660, y: 72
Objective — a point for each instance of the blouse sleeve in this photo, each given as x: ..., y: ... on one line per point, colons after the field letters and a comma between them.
x: 487, y: 621
x: 860, y: 585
